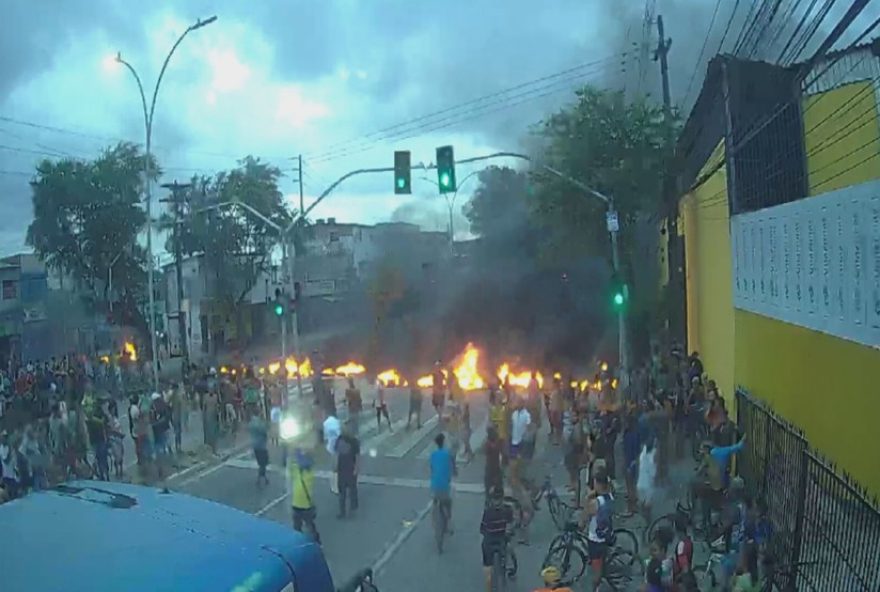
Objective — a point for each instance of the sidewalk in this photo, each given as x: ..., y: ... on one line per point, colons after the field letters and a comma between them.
x: 194, y: 449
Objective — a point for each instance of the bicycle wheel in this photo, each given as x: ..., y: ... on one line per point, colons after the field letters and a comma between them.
x: 626, y: 543
x: 560, y: 512
x: 569, y: 559
x: 663, y: 522
x: 709, y: 576
x: 439, y: 525
x: 499, y: 578
x: 516, y: 508
x: 512, y: 564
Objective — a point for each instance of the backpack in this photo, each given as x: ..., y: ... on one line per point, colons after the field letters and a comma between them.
x: 604, y: 517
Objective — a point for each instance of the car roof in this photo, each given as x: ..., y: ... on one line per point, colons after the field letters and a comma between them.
x: 102, y: 536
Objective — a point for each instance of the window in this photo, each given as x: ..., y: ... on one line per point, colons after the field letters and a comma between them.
x: 334, y: 237
x: 10, y: 289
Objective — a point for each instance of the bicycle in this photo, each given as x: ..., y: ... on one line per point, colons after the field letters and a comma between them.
x: 710, y: 575
x: 504, y: 565
x: 560, y: 511
x: 440, y: 520
x: 569, y: 551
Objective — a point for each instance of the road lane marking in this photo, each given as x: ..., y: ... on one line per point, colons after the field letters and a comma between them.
x: 234, y: 455
x: 368, y: 479
x: 272, y: 504
x: 409, y: 443
x: 400, y: 539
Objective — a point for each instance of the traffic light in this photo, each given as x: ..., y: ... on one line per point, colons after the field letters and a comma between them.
x: 618, y: 293
x: 445, y: 169
x: 402, y: 172
x: 278, y: 308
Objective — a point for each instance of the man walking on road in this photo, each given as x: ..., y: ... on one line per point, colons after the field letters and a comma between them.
x: 348, y: 449
x: 259, y: 439
x: 442, y: 469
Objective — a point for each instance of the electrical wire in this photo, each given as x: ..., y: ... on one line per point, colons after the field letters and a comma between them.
x: 687, y: 93
x: 727, y: 28
x: 502, y: 103
x: 554, y: 78
x: 768, y: 19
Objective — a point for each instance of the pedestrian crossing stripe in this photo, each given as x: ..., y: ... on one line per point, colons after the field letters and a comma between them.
x: 408, y: 444
x: 366, y: 479
x: 478, y: 438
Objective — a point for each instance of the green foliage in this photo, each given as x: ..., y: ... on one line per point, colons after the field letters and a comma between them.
x: 236, y: 244
x: 617, y: 147
x: 86, y: 214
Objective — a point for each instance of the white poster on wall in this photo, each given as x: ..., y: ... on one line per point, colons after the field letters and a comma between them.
x: 873, y: 256
x: 814, y: 262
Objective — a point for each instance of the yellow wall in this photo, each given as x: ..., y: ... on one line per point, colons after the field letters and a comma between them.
x: 825, y: 385
x: 709, y: 275
x: 842, y: 137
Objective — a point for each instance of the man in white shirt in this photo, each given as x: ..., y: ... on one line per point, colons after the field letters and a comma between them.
x: 520, y: 420
x: 332, y: 430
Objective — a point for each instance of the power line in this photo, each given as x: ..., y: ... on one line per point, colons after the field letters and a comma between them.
x: 486, y: 109
x: 797, y: 30
x: 702, y: 50
x: 568, y: 73
x: 727, y: 28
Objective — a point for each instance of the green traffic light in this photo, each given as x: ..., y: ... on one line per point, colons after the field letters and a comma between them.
x: 279, y: 310
x: 401, y: 182
x: 618, y: 299
x: 444, y: 179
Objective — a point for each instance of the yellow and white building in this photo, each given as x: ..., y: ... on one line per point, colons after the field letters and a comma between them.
x: 781, y: 224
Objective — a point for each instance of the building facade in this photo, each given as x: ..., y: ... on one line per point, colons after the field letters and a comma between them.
x: 781, y: 222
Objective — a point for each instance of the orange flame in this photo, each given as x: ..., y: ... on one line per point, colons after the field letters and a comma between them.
x: 328, y: 372
x: 467, y: 371
x: 130, y: 351
x: 274, y: 367
x: 292, y: 366
x: 425, y: 381
x: 350, y: 369
x: 390, y: 378
x: 521, y: 379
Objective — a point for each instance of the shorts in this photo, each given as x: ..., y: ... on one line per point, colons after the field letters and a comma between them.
x: 596, y: 551
x: 490, y: 546
x: 516, y: 450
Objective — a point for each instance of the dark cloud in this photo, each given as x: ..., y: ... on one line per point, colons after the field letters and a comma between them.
x: 33, y: 34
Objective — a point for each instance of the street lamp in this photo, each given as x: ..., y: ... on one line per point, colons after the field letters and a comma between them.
x: 148, y: 127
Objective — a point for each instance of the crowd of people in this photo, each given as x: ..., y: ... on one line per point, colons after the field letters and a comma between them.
x: 71, y: 417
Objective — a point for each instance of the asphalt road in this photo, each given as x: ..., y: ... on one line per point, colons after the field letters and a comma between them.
x: 392, y: 530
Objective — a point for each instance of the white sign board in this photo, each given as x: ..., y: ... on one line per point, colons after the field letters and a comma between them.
x: 611, y: 221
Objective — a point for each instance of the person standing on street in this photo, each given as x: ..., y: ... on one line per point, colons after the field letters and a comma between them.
x: 438, y: 389
x: 177, y: 416
x: 332, y: 430
x: 493, y: 476
x: 348, y: 449
x: 415, y: 406
x: 353, y: 400
x: 381, y: 408
x: 301, y: 473
x: 259, y: 440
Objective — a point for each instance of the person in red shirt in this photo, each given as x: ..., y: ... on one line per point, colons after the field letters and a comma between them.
x: 683, y: 556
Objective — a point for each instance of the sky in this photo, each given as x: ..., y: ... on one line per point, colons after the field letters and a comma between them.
x: 342, y: 82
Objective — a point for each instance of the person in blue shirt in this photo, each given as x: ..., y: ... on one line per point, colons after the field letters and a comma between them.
x: 442, y: 470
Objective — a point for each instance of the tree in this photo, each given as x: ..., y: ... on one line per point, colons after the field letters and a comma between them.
x: 235, y: 244
x: 617, y: 147
x: 87, y: 217
x: 622, y: 149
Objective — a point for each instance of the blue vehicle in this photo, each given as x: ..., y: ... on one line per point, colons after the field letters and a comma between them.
x: 101, y: 536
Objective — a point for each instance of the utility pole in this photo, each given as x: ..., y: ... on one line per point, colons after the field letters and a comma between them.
x: 177, y: 200
x: 674, y: 256
x: 290, y: 260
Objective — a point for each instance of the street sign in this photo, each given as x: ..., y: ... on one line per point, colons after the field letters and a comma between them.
x: 611, y: 221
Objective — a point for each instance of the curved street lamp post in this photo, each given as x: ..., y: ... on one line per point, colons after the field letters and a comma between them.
x: 148, y: 128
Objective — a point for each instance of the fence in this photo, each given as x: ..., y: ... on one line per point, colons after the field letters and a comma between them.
x: 827, y: 528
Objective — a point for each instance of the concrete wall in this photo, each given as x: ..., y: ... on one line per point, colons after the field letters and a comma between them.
x: 708, y: 279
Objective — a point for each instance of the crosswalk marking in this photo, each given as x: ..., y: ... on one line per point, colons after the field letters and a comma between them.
x: 367, y: 479
x: 409, y: 443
